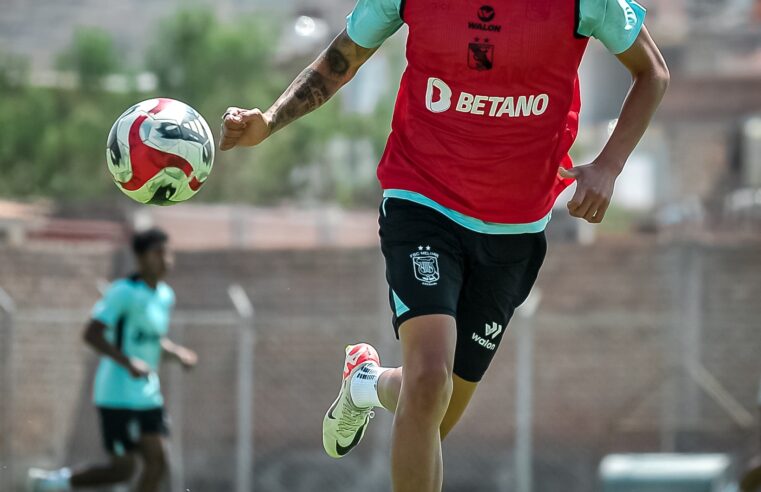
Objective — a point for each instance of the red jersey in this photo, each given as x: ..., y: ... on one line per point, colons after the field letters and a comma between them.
x: 488, y: 106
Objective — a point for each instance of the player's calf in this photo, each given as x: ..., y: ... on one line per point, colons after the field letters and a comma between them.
x: 155, y: 463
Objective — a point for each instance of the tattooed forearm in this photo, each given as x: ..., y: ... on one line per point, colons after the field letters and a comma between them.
x: 308, y: 92
x: 319, y: 82
x: 311, y: 89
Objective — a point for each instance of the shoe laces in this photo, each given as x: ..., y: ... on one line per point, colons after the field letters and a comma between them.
x: 352, y: 417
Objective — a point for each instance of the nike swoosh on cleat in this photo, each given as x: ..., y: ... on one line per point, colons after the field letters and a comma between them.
x: 341, y: 450
x: 330, y: 412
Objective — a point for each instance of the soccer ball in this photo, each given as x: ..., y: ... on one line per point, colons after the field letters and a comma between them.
x: 160, y: 151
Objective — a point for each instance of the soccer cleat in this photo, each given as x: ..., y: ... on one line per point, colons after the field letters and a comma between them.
x: 344, y: 424
x: 39, y: 480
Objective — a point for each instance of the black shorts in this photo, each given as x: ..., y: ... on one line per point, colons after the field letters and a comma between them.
x: 122, y: 428
x: 436, y: 266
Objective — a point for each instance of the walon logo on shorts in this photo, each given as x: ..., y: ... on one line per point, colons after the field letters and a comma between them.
x: 425, y: 263
x: 492, y: 331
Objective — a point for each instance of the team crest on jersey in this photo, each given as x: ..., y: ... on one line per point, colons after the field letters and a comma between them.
x: 425, y: 263
x: 480, y: 55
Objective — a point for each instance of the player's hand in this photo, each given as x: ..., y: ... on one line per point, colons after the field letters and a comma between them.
x: 187, y: 357
x: 244, y: 128
x: 594, y: 190
x: 138, y: 368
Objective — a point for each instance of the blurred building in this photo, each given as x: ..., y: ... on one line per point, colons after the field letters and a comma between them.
x: 31, y: 28
x: 703, y: 148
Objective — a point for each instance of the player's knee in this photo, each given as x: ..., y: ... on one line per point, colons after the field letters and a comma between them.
x: 428, y: 386
x: 157, y: 464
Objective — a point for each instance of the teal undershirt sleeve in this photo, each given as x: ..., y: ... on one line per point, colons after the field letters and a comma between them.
x: 615, y: 23
x: 373, y: 21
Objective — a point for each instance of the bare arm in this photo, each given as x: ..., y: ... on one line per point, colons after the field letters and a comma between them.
x: 184, y: 355
x: 650, y: 80
x: 94, y: 337
x: 335, y: 66
x: 650, y: 77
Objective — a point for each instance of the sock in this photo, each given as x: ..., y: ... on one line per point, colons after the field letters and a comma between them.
x: 60, y: 479
x: 363, y: 386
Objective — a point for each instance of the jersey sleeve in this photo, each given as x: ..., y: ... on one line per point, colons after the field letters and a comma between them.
x: 171, y: 296
x: 615, y: 23
x: 373, y: 21
x: 112, y: 305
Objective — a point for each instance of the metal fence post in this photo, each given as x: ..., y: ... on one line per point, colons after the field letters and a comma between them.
x: 7, y: 314
x: 245, y: 447
x: 524, y: 394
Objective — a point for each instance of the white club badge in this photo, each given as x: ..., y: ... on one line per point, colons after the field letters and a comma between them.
x: 425, y: 264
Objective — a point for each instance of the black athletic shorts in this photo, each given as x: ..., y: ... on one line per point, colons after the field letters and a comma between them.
x: 436, y: 266
x: 122, y: 428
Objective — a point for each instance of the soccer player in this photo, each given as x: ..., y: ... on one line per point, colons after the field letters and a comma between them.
x: 486, y: 113
x: 129, y: 329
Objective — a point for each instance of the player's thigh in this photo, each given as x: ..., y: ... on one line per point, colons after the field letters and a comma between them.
x: 428, y: 347
x: 424, y: 263
x: 154, y: 430
x: 462, y: 393
x: 500, y: 279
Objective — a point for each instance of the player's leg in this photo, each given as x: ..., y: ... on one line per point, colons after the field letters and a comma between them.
x: 120, y: 468
x: 152, y: 447
x: 751, y: 481
x: 118, y: 440
x: 428, y: 346
x: 501, y: 276
x: 153, y: 452
x: 389, y: 386
x: 424, y: 271
x: 462, y: 393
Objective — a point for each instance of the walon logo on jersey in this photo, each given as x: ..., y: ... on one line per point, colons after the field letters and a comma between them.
x: 426, y: 265
x: 492, y: 331
x: 438, y: 99
x: 486, y: 14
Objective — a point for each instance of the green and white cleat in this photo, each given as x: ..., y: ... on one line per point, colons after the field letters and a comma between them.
x: 345, y: 424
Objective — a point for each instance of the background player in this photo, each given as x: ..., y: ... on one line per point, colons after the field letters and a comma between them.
x: 487, y: 111
x: 129, y: 328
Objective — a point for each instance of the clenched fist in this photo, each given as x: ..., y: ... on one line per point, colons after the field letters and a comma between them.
x: 244, y: 128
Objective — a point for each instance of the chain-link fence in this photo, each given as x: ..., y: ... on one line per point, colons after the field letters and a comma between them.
x: 626, y: 346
